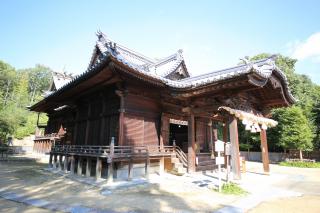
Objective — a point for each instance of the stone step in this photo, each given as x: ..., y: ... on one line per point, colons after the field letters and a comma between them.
x: 175, y: 160
x: 177, y: 165
x: 208, y: 162
x: 205, y: 167
x: 182, y: 170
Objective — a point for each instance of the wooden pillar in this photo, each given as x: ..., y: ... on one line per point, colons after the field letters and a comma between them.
x: 191, y: 145
x: 54, y: 161
x: 121, y: 118
x: 65, y: 163
x: 130, y: 168
x: 50, y: 161
x: 88, y: 167
x: 103, y: 122
x: 72, y: 166
x: 76, y: 126
x: 264, y: 151
x: 110, y: 163
x: 60, y: 162
x: 79, y: 167
x: 86, y: 142
x: 161, y: 166
x: 98, y: 168
x: 163, y: 133
x: 147, y: 166
x: 235, y: 157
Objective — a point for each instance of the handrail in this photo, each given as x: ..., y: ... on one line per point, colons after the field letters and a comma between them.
x: 181, y: 155
x: 117, y: 151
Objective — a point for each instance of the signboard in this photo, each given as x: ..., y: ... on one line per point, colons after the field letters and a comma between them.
x: 219, y: 160
x: 228, y: 149
x: 219, y: 146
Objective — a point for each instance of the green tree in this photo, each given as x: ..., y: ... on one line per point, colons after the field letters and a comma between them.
x: 293, y: 129
x: 18, y: 89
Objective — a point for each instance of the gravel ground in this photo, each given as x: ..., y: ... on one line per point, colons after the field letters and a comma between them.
x: 285, y: 190
x: 31, y: 181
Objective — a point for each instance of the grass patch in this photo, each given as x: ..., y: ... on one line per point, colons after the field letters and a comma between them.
x: 300, y: 164
x: 232, y: 189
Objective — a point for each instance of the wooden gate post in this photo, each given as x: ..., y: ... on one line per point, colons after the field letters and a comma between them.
x: 264, y: 151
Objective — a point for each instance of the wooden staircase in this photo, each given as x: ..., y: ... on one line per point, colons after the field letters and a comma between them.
x: 179, y: 161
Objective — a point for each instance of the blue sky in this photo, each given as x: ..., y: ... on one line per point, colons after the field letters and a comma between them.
x: 212, y: 34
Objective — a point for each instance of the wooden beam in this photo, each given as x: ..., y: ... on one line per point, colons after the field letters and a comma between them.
x: 264, y: 151
x: 235, y: 154
x: 191, y: 144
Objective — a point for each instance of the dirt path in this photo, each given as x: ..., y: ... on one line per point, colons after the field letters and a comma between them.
x: 302, y: 180
x: 30, y: 180
x: 306, y: 203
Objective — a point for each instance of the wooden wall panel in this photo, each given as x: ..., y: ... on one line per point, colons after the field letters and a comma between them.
x: 201, y: 134
x: 133, y: 130
x: 151, y: 132
x: 140, y: 130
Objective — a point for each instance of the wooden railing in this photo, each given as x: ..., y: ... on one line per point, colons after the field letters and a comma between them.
x: 112, y: 151
x: 181, y: 155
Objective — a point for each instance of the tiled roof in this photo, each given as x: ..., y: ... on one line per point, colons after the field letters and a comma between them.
x: 159, y: 69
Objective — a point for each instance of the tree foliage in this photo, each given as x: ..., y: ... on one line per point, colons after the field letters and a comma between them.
x: 293, y: 129
x: 19, y: 89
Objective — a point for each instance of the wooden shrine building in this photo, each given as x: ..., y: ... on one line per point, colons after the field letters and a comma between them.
x: 128, y: 114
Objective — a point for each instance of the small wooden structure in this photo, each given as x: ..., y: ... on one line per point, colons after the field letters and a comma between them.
x: 153, y: 111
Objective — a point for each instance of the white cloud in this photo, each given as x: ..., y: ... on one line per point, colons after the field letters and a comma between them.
x: 309, y: 48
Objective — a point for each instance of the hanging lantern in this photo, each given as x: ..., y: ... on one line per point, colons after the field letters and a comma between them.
x: 253, y: 129
x: 264, y: 126
x: 248, y: 127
